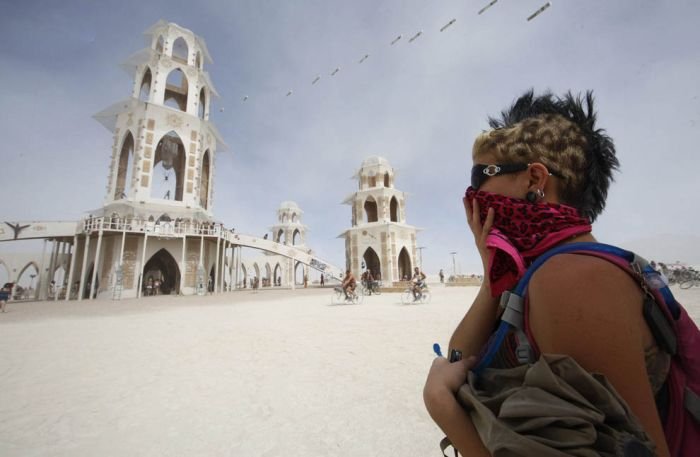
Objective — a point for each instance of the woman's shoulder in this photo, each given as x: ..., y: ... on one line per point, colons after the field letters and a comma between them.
x: 584, y: 283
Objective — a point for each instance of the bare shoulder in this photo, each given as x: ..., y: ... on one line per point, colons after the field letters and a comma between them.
x: 582, y: 277
x: 574, y: 295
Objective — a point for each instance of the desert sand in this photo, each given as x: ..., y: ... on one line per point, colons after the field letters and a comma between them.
x: 274, y: 373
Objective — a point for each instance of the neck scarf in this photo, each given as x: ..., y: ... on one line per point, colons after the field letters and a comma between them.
x: 521, y: 232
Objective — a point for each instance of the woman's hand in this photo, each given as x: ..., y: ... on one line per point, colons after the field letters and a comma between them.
x: 445, y: 378
x: 479, y: 230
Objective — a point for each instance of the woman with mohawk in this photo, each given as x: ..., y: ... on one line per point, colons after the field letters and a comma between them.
x: 540, y: 177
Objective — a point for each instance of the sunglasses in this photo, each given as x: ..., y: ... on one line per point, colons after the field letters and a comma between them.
x: 481, y: 172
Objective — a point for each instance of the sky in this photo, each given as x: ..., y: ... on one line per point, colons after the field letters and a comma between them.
x: 420, y: 105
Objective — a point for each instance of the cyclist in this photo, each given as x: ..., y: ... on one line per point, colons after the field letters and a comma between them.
x: 349, y: 284
x: 418, y: 283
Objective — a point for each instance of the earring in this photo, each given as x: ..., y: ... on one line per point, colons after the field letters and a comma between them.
x: 532, y: 197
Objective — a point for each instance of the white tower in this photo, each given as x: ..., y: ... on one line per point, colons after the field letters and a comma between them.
x: 289, y: 229
x: 164, y: 144
x: 379, y: 240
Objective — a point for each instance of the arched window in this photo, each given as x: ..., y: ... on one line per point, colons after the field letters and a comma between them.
x: 145, y: 91
x: 373, y: 181
x: 371, y: 209
x: 160, y: 44
x: 204, y: 181
x: 202, y: 104
x: 176, y: 89
x: 124, y: 168
x: 386, y: 179
x: 294, y: 217
x: 296, y: 237
x: 279, y: 235
x: 180, y: 50
x: 284, y: 217
x: 394, y: 210
x: 168, y: 175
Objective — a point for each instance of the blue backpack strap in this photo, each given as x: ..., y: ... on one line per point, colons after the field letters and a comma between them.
x: 513, y: 302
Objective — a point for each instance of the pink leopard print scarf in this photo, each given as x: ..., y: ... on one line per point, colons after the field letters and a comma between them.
x: 521, y: 232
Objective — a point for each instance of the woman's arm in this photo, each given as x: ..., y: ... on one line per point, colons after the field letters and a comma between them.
x: 591, y: 310
x: 439, y: 395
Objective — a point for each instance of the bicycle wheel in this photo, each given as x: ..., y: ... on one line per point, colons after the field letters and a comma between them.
x: 338, y: 296
x: 376, y: 290
x: 366, y: 291
x: 426, y: 296
x: 407, y: 297
x: 687, y: 284
x: 358, y: 297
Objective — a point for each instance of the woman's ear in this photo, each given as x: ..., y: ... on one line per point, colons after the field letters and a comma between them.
x: 538, y: 176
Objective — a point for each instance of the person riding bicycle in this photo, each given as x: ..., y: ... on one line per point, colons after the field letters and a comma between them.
x: 349, y: 284
x: 418, y: 283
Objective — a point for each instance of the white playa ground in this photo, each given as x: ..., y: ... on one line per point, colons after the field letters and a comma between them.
x: 277, y: 373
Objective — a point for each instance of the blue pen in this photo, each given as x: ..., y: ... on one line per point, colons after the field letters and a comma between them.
x: 436, y: 348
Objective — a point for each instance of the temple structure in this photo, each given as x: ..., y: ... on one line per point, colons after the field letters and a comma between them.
x: 379, y: 239
x: 155, y: 233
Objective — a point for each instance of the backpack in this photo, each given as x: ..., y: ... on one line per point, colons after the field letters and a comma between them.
x: 670, y: 325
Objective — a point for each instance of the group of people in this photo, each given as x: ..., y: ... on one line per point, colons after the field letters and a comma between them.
x: 152, y: 286
x: 368, y: 279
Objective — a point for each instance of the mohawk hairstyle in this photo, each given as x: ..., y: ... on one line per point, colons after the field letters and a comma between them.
x: 599, y: 150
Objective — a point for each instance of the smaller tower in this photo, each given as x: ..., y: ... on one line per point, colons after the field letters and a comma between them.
x: 289, y: 229
x: 379, y: 239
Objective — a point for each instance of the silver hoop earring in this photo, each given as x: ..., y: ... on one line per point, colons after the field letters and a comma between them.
x: 539, y: 193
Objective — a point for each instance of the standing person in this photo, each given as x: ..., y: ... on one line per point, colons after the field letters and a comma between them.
x: 539, y: 179
x: 5, y: 295
x: 442, y: 276
x: 322, y: 280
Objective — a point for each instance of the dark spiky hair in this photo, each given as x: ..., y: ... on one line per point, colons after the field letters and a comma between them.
x: 588, y: 178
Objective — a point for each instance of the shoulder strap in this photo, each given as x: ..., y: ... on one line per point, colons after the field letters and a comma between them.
x: 513, y: 302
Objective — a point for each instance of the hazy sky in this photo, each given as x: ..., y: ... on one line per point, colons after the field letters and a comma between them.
x: 418, y: 104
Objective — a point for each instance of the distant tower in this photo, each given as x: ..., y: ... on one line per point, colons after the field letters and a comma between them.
x: 164, y: 144
x: 379, y: 240
x: 289, y: 229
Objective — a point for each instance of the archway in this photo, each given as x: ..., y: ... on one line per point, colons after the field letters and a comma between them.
x: 204, y: 181
x: 299, y: 273
x: 176, y: 90
x: 202, y: 103
x: 162, y: 267
x: 296, y: 237
x: 386, y: 179
x: 27, y: 281
x: 371, y: 209
x: 124, y: 169
x: 277, y: 275
x: 372, y: 262
x: 59, y: 277
x: 244, y: 275
x: 168, y: 176
x: 180, y: 50
x: 279, y: 235
x: 394, y: 209
x: 268, y: 275
x: 404, y: 264
x: 145, y: 90
x: 294, y: 218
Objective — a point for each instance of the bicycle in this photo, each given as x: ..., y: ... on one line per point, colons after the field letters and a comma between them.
x: 423, y: 297
x: 690, y: 279
x: 371, y: 287
x: 355, y: 297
